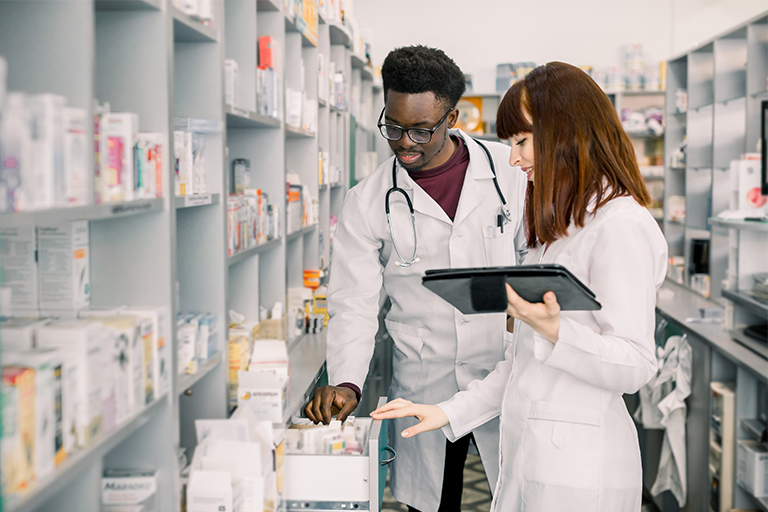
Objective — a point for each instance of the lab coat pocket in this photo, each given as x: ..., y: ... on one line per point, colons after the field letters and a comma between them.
x: 407, y: 357
x: 499, y: 246
x: 562, y: 446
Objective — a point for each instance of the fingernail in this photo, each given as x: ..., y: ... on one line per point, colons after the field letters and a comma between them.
x: 406, y: 433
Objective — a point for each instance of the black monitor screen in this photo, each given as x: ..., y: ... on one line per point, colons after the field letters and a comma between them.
x: 764, y: 145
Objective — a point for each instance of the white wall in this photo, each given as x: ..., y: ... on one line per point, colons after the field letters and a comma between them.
x: 478, y: 34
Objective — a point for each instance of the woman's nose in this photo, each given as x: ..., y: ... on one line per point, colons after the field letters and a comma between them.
x: 514, y: 158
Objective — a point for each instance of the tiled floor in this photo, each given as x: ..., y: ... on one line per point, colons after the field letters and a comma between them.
x: 475, y: 498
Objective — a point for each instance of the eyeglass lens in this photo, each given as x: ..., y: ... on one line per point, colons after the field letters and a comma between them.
x: 416, y: 135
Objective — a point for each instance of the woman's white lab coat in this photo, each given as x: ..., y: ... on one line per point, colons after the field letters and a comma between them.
x: 437, y: 350
x: 567, y: 440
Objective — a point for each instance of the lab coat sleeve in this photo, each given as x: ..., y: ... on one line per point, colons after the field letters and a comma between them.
x: 626, y: 267
x: 481, y: 401
x: 353, y: 296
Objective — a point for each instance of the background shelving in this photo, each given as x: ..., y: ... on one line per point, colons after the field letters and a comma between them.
x: 148, y: 57
x: 720, y: 125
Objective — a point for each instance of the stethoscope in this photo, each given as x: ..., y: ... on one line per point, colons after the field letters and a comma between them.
x: 403, y: 263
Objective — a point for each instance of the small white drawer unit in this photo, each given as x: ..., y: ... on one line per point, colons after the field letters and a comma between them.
x: 315, y: 483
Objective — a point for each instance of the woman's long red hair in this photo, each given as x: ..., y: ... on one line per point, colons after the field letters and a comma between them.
x: 580, y: 149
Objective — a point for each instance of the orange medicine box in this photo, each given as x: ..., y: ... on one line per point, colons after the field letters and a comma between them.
x: 19, y: 444
x: 267, y: 52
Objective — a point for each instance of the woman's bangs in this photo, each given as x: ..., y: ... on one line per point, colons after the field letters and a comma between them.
x: 510, y: 118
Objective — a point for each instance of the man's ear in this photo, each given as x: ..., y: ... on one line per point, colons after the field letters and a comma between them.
x: 453, y: 118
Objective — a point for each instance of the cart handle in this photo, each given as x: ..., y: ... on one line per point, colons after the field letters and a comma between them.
x: 389, y: 461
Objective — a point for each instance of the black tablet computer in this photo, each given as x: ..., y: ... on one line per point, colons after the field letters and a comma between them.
x: 481, y: 290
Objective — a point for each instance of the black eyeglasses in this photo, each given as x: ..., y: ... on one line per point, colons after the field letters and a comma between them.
x: 417, y: 135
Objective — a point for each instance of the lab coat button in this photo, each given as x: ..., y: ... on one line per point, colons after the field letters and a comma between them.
x: 559, y: 441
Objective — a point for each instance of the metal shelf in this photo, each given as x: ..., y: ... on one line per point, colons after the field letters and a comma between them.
x: 128, y: 5
x: 755, y: 346
x: 367, y: 73
x: 685, y: 303
x: 297, y: 24
x: 268, y: 5
x: 185, y: 381
x: 92, y: 213
x: 761, y: 502
x: 339, y: 33
x: 357, y: 61
x: 239, y: 118
x: 322, y: 102
x: 46, y: 488
x: 746, y: 300
x: 740, y: 224
x: 307, y: 360
x: 637, y: 92
x: 753, y: 427
x: 243, y: 255
x: 197, y: 200
x: 300, y: 232
x: 188, y: 30
x: 293, y: 132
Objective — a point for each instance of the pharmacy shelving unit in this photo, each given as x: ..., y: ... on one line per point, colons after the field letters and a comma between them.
x: 648, y: 146
x: 725, y: 79
x: 148, y: 57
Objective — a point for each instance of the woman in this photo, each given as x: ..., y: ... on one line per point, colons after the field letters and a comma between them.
x: 567, y: 440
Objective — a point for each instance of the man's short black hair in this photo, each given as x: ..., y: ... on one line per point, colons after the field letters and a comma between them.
x: 417, y: 69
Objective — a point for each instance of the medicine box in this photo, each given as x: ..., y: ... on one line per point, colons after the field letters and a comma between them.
x: 230, y: 82
x: 18, y: 261
x: 149, y: 150
x: 238, y: 361
x: 47, y: 150
x: 20, y: 333
x: 129, y: 487
x: 64, y: 266
x: 161, y: 350
x: 752, y: 466
x: 209, y: 491
x: 127, y: 366
x: 77, y: 170
x: 18, y: 466
x: 270, y: 356
x: 749, y: 198
x: 46, y: 422
x: 83, y: 345
x: 340, y: 482
x: 266, y: 394
x: 267, y: 49
x: 119, y: 132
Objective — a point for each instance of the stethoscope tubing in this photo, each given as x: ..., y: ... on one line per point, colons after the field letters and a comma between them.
x: 395, y: 189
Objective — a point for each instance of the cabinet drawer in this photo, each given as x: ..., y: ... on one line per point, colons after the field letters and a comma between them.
x: 340, y: 482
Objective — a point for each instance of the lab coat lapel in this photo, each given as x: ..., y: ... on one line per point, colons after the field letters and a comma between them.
x: 479, y: 169
x: 422, y: 202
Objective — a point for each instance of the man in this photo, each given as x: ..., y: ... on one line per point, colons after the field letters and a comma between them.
x: 460, y: 219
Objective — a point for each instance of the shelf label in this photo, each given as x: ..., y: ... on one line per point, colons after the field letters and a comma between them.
x: 128, y: 208
x: 240, y: 112
x: 197, y: 200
